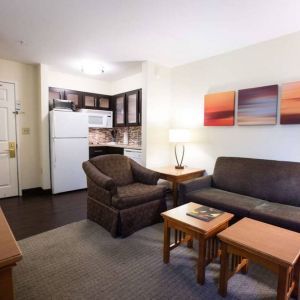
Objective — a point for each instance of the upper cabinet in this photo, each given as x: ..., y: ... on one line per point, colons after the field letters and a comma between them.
x: 74, y: 96
x: 128, y: 108
x: 119, y: 110
x: 55, y: 93
x: 81, y: 99
x: 132, y: 105
x: 89, y: 100
x: 104, y: 102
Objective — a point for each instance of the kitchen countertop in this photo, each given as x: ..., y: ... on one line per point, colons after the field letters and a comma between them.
x: 137, y: 147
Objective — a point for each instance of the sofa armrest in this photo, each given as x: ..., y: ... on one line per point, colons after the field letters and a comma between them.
x: 194, y: 185
x: 98, y: 177
x: 143, y: 175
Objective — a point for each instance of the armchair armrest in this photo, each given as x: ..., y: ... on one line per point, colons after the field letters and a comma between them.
x: 143, y: 175
x: 98, y: 177
x: 194, y: 185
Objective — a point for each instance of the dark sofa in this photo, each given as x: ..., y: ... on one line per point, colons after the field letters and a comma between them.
x: 265, y: 190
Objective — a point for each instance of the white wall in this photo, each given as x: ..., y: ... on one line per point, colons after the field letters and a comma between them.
x: 78, y: 83
x: 26, y: 79
x: 126, y: 84
x: 272, y: 62
x: 156, y: 114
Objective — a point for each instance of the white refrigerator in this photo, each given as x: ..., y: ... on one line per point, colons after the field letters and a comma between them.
x: 69, y: 149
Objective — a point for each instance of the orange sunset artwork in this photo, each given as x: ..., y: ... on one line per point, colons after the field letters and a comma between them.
x: 290, y: 103
x: 219, y: 109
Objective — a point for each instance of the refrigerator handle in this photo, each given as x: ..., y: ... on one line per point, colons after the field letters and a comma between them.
x: 53, y: 127
x: 54, y: 152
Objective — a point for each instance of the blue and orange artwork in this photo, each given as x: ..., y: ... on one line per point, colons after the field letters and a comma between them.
x: 258, y: 106
x: 219, y: 109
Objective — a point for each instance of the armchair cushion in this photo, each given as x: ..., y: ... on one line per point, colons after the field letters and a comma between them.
x: 115, y: 166
x: 143, y: 175
x: 135, y: 194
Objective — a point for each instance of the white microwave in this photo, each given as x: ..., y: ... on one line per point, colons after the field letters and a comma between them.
x: 99, y: 118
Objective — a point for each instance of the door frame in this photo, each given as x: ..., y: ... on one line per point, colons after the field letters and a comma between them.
x: 17, y: 126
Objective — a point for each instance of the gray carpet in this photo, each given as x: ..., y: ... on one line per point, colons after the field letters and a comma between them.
x: 82, y: 261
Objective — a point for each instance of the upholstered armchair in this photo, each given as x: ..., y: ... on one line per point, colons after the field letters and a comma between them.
x: 123, y: 196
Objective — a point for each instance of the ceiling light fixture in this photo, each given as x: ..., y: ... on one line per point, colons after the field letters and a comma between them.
x: 92, y: 68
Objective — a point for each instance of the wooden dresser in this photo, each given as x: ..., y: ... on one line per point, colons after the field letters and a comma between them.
x: 10, y: 254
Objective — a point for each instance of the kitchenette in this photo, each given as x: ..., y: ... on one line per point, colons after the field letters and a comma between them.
x: 85, y: 125
x: 120, y: 140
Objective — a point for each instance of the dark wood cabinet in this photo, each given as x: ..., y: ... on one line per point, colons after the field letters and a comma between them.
x: 104, y: 102
x: 128, y: 108
x: 74, y: 96
x: 55, y: 93
x: 132, y: 108
x: 119, y: 110
x: 102, y: 150
x: 89, y: 100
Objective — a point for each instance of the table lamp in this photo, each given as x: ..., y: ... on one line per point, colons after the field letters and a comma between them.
x: 179, y: 136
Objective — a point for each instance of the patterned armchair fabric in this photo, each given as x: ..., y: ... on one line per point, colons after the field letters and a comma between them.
x: 123, y: 196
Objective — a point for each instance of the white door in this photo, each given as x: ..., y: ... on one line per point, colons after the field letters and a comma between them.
x: 8, y: 154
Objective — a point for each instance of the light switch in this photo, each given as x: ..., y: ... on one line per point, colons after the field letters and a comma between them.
x: 25, y: 131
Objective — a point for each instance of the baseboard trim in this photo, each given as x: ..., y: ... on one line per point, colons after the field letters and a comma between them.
x: 35, y: 191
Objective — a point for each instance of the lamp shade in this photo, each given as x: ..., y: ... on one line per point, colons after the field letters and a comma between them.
x: 179, y: 135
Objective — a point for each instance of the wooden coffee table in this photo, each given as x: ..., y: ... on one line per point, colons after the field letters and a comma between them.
x: 273, y: 247
x: 192, y: 228
x: 176, y: 176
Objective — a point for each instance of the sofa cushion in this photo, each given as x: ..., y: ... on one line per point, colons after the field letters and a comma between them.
x: 275, y: 181
x: 115, y: 166
x: 230, y: 202
x: 137, y: 193
x: 278, y: 214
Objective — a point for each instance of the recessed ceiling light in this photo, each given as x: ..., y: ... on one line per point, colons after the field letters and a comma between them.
x: 91, y: 67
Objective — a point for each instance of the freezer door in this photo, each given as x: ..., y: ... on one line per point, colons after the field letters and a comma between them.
x: 67, y: 156
x: 65, y: 124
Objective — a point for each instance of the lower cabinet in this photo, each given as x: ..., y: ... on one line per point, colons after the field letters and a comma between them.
x: 102, y: 150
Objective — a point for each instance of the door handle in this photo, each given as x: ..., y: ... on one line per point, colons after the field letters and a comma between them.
x: 12, y: 149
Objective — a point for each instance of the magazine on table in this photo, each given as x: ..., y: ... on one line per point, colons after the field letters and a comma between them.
x: 205, y: 213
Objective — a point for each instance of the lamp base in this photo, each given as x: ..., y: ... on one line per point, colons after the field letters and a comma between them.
x: 179, y: 167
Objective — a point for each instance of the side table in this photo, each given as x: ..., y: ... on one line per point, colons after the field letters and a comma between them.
x: 176, y: 176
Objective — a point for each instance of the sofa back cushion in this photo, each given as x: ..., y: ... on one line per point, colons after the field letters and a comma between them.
x: 275, y: 181
x: 115, y: 166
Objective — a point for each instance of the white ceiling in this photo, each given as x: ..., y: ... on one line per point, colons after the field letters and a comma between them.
x: 122, y: 33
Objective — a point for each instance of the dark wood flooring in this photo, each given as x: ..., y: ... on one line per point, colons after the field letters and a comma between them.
x: 33, y: 214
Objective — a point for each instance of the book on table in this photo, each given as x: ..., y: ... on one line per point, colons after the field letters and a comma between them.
x: 205, y: 213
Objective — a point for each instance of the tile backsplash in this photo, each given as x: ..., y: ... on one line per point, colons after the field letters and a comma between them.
x: 103, y: 135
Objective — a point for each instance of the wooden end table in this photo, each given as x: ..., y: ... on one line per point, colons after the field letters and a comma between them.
x: 273, y: 247
x: 176, y: 176
x: 10, y: 254
x: 192, y: 228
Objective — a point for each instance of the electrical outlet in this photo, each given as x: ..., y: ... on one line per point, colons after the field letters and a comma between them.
x: 25, y: 131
